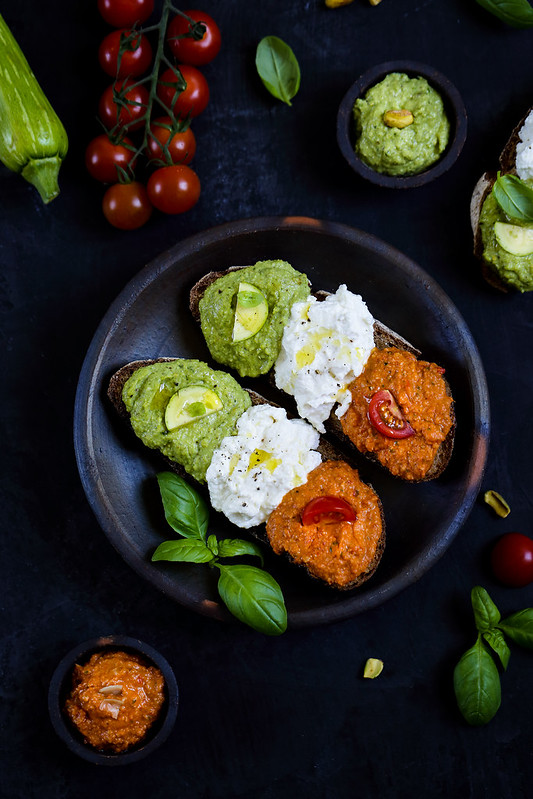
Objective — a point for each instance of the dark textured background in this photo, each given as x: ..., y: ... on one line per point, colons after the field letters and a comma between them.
x: 259, y: 717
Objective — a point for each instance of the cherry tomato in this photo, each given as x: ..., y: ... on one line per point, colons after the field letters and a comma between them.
x: 329, y: 510
x: 180, y: 149
x: 190, y: 50
x: 174, y: 189
x: 126, y: 205
x: 512, y: 560
x: 133, y: 62
x: 102, y: 157
x: 125, y: 13
x: 192, y: 100
x: 130, y: 115
x: 385, y: 416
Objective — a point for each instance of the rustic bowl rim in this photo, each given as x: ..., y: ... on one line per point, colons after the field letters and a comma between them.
x: 59, y: 686
x: 454, y: 106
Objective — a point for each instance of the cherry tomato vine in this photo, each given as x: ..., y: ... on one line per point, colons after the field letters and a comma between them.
x: 146, y: 112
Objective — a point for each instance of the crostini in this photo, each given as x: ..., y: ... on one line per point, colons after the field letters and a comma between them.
x: 501, y: 214
x: 327, y: 361
x: 252, y: 461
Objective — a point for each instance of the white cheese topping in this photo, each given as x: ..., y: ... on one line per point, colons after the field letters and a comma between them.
x: 524, y: 150
x: 325, y: 346
x: 251, y: 472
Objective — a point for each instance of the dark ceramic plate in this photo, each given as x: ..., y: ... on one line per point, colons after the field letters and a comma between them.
x: 453, y: 105
x: 150, y: 318
x: 61, y: 684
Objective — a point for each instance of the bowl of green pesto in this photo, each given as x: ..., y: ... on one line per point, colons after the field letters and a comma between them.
x: 401, y: 124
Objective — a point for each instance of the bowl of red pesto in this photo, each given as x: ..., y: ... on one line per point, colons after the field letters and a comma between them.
x: 113, y: 700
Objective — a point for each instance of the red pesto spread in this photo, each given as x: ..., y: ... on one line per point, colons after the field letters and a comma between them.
x: 337, y: 552
x: 115, y: 699
x: 422, y: 396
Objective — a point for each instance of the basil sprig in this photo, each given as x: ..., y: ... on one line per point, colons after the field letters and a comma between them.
x: 278, y: 68
x: 476, y: 678
x: 514, y: 197
x: 517, y: 13
x: 249, y: 593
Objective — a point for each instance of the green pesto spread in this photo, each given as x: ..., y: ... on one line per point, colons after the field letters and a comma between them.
x: 147, y: 393
x: 514, y: 270
x: 401, y: 151
x: 281, y: 285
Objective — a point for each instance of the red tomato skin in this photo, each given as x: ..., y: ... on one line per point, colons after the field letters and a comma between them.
x: 192, y: 100
x: 131, y: 115
x: 132, y: 63
x: 174, y: 189
x: 329, y: 509
x: 181, y: 147
x: 384, y: 399
x: 102, y: 157
x: 512, y: 560
x: 191, y: 51
x: 125, y: 13
x: 126, y: 205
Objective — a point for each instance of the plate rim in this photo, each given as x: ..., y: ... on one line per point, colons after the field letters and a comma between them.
x: 354, y: 603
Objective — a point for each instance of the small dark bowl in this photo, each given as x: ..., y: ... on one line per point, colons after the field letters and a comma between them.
x: 453, y: 106
x: 61, y: 684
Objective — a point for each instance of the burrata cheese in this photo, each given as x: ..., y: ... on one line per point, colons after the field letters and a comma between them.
x: 251, y: 472
x: 325, y: 346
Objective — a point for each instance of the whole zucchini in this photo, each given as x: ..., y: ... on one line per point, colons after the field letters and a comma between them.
x: 33, y: 141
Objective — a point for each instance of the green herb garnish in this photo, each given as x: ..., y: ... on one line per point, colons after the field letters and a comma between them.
x: 476, y: 678
x: 278, y: 68
x: 249, y: 593
x: 517, y: 13
x: 515, y: 197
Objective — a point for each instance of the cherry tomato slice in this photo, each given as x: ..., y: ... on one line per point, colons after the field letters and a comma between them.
x: 102, y: 157
x: 192, y: 100
x: 386, y: 417
x: 124, y: 13
x: 328, y: 510
x: 126, y: 205
x: 512, y: 560
x: 135, y: 58
x: 189, y: 49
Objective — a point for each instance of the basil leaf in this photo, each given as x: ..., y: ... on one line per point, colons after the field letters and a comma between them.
x: 278, y: 68
x: 486, y: 614
x: 254, y: 597
x: 476, y: 684
x: 230, y: 547
x: 189, y: 550
x: 495, y: 639
x: 185, y: 510
x: 517, y: 13
x: 514, y: 197
x: 519, y: 627
x: 212, y: 543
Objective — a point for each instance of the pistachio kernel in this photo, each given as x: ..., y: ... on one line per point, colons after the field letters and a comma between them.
x: 375, y: 2
x: 373, y: 668
x: 398, y: 119
x: 338, y: 3
x: 497, y: 503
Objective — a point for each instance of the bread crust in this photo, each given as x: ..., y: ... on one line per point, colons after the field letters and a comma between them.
x: 327, y: 450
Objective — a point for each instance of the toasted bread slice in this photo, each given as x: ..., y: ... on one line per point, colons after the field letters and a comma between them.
x: 327, y: 450
x: 483, y: 187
